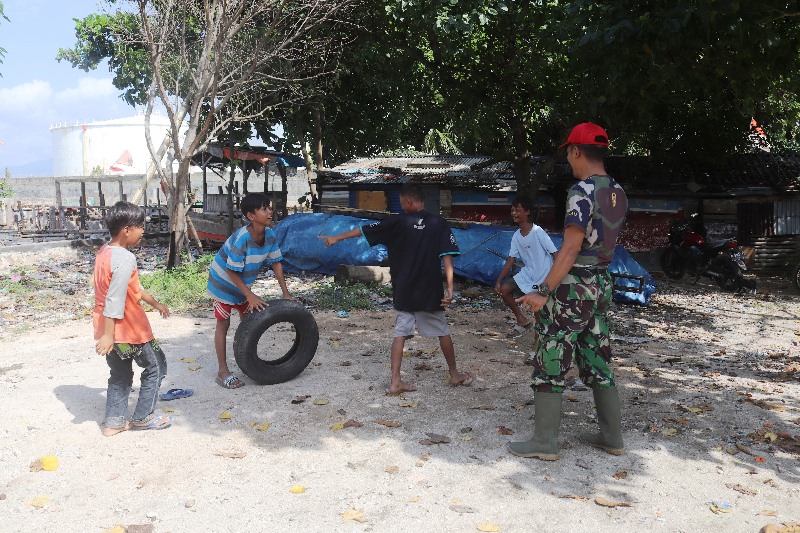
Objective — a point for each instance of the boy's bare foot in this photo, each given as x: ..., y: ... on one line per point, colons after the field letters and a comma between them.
x: 401, y: 387
x: 110, y: 432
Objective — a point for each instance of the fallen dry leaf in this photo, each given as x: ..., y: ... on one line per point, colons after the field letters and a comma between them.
x: 224, y: 415
x: 767, y: 405
x: 194, y: 368
x: 187, y: 359
x: 466, y: 438
x: 388, y: 423
x: 232, y: 455
x: 140, y: 528
x: 39, y: 501
x: 744, y: 449
x: 354, y: 515
x: 260, y: 427
x: 485, y: 407
x: 609, y: 503
x: 392, y: 469
x: 300, y: 399
x: 767, y: 512
x: 622, y: 474
x: 116, y: 529
x: 407, y: 404
x: 297, y: 489
x: 502, y: 430
x: 669, y: 432
x: 488, y: 527
x: 169, y: 410
x: 353, y: 424
x: 434, y: 438
x: 337, y: 426
x: 739, y: 488
x: 415, y: 499
x: 574, y: 497
x: 322, y: 401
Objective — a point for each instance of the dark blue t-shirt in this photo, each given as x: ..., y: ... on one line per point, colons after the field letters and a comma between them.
x: 416, y: 242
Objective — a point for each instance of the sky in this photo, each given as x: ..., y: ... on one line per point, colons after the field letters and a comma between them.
x: 36, y: 91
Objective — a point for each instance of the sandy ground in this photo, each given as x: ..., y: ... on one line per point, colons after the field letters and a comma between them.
x: 709, y: 384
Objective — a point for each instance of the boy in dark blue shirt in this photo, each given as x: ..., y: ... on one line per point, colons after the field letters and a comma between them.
x: 418, y: 243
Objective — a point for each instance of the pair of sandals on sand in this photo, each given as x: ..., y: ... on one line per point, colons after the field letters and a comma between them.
x: 155, y: 423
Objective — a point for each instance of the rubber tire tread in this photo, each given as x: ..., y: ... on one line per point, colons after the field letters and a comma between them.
x: 296, y: 359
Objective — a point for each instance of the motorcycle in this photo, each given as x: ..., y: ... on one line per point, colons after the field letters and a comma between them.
x: 721, y: 261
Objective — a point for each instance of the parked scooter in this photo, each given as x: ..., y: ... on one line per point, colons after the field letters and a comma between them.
x: 689, y: 252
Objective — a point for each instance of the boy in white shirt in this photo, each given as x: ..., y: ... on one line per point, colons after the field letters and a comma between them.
x: 530, y: 244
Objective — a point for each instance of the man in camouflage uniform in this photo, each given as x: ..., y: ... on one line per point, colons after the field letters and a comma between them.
x: 573, y: 302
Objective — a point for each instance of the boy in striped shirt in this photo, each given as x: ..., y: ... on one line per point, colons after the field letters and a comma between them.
x: 233, y: 272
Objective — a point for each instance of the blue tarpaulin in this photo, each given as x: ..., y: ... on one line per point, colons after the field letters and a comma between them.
x: 483, y: 251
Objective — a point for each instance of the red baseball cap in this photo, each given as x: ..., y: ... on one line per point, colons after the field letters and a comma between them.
x: 587, y: 133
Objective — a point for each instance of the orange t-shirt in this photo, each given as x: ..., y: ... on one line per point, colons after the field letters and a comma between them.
x: 117, y: 293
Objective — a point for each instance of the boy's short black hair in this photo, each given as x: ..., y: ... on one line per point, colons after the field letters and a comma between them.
x: 124, y: 214
x: 525, y: 202
x: 412, y: 191
x: 253, y: 201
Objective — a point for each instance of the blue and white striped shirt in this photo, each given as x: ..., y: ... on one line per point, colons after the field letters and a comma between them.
x: 241, y: 254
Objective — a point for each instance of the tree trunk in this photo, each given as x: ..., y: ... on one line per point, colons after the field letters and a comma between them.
x: 522, y: 157
x: 312, y: 180
x: 178, y: 234
x: 317, y: 112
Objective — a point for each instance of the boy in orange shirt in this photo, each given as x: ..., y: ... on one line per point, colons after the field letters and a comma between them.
x: 121, y: 328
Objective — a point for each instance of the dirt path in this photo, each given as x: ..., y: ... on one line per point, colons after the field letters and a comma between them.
x: 710, y: 409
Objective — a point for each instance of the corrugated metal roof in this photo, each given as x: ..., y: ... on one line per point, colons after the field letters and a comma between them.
x: 442, y: 170
x: 737, y: 175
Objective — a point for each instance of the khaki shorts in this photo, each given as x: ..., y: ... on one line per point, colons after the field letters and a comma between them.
x: 427, y: 324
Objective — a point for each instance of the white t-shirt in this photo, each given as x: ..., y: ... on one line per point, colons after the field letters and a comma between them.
x: 535, y: 250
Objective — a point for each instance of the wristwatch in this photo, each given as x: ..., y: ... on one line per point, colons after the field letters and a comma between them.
x: 544, y: 289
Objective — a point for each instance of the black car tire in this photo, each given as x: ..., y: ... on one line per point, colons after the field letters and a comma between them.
x: 297, y: 357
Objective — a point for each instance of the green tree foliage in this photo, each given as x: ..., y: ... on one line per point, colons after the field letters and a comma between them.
x: 2, y: 50
x: 686, y: 77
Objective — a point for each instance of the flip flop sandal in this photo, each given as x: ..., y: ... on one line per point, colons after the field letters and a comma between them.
x: 230, y: 382
x: 155, y: 423
x: 176, y: 394
x: 466, y: 382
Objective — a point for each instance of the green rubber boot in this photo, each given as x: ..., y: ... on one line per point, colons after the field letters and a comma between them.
x: 609, y: 418
x: 547, y: 419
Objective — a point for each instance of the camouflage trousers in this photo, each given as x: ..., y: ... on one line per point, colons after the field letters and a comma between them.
x: 572, y: 326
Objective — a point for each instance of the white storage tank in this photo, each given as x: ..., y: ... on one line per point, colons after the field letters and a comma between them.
x: 115, y: 146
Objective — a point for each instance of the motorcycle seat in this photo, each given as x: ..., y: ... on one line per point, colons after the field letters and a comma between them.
x: 717, y: 245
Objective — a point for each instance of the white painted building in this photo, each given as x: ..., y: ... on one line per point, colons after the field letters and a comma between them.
x: 115, y: 146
